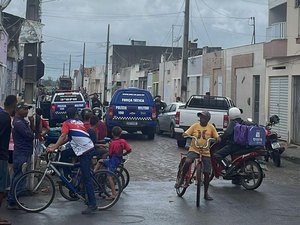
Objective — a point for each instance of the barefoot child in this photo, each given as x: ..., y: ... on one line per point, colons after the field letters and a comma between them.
x: 115, y: 152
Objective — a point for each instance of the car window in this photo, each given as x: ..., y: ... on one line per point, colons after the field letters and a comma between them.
x: 69, y: 97
x: 133, y: 98
x: 173, y: 108
x: 211, y: 102
x: 167, y: 109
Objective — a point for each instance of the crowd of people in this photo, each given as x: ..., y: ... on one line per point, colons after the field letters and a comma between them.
x: 21, y: 137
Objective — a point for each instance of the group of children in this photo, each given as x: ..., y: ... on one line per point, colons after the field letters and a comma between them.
x: 112, y: 157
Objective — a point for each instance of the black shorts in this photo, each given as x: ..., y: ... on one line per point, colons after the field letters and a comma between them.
x: 10, y: 157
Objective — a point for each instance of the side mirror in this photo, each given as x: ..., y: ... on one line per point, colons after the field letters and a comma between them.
x: 242, y: 111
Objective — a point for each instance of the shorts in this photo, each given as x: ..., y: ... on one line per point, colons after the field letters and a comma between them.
x: 206, y: 161
x: 10, y: 156
x: 3, y: 175
x: 111, y: 164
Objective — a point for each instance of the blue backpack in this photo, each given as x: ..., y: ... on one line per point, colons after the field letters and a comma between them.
x: 252, y: 135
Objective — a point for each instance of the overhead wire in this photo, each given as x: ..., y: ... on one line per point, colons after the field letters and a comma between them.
x: 220, y: 13
x: 204, y: 26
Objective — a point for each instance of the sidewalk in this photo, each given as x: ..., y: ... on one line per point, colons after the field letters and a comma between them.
x: 292, y: 153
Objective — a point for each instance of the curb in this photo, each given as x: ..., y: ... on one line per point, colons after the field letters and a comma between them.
x: 291, y: 158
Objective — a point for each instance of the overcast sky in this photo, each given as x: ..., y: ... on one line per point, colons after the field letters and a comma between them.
x: 70, y: 23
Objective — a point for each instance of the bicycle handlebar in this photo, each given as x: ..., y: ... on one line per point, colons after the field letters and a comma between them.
x: 208, y: 143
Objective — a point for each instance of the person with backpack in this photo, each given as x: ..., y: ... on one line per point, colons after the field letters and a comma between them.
x: 227, y: 139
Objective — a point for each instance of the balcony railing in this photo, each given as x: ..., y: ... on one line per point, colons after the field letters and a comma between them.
x: 276, y: 31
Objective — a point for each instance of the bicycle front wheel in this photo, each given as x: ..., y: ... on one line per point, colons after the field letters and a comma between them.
x: 34, y: 191
x: 199, y: 181
x: 104, y: 190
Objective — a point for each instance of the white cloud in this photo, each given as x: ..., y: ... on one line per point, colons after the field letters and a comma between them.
x: 149, y: 20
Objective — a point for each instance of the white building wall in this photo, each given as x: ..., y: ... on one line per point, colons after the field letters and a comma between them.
x: 245, y: 88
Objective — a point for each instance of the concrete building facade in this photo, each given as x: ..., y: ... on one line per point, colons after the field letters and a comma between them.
x: 282, y: 55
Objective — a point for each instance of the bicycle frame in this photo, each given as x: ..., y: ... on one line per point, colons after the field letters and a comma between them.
x: 69, y: 185
x: 190, y: 175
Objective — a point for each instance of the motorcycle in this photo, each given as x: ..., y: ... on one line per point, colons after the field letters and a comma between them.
x: 273, y: 147
x: 244, y: 168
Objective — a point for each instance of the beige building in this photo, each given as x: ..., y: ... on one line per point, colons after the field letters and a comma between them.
x: 245, y: 80
x: 282, y: 54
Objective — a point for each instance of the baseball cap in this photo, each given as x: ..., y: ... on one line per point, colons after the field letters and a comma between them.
x: 205, y: 114
x: 23, y: 105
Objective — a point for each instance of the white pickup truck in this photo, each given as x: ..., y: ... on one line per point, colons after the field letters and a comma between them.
x: 187, y: 115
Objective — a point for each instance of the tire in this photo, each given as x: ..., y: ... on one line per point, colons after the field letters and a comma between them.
x: 36, y: 197
x: 172, y: 131
x: 126, y: 176
x: 158, y: 130
x: 251, y: 171
x: 276, y: 158
x: 211, y: 177
x: 181, y: 143
x: 199, y: 181
x: 121, y: 178
x: 103, y: 190
x: 180, y: 190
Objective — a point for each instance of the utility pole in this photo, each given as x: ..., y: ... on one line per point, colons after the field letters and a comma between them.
x: 253, y: 34
x: 185, y: 52
x: 70, y: 61
x: 64, y: 69
x: 83, y: 61
x: 106, y: 66
x: 30, y: 54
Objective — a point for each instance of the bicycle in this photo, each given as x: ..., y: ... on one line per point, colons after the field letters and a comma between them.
x: 192, y: 175
x: 124, y: 172
x: 34, y: 191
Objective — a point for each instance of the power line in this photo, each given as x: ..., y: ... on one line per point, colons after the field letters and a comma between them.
x: 79, y: 41
x: 203, y: 23
x: 214, y: 10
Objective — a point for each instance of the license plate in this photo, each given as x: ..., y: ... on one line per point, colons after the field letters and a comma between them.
x: 132, y: 123
x: 275, y: 145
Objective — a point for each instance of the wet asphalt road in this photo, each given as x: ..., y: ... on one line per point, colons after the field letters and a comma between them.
x: 151, y: 199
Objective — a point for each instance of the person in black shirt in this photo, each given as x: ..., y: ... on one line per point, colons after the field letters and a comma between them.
x: 5, y: 130
x: 95, y: 101
x: 159, y: 104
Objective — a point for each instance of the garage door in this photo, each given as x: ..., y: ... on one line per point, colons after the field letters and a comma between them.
x: 278, y: 104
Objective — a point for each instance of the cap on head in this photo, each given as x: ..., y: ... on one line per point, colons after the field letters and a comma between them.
x: 206, y: 114
x: 23, y: 105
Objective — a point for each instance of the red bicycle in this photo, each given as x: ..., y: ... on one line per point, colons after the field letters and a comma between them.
x: 195, y: 173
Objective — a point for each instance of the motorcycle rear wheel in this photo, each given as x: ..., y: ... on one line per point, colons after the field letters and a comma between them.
x: 251, y: 175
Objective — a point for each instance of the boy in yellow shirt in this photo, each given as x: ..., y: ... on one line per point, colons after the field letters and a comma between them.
x: 203, y: 131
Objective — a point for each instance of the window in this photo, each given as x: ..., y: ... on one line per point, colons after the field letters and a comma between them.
x: 209, y: 102
x: 173, y: 108
x: 168, y: 108
x: 68, y: 98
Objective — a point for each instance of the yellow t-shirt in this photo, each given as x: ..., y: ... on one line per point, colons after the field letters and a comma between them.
x: 203, y: 133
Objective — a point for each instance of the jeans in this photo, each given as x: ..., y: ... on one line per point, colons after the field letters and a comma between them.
x: 85, y: 166
x: 19, y: 159
x: 228, y: 149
